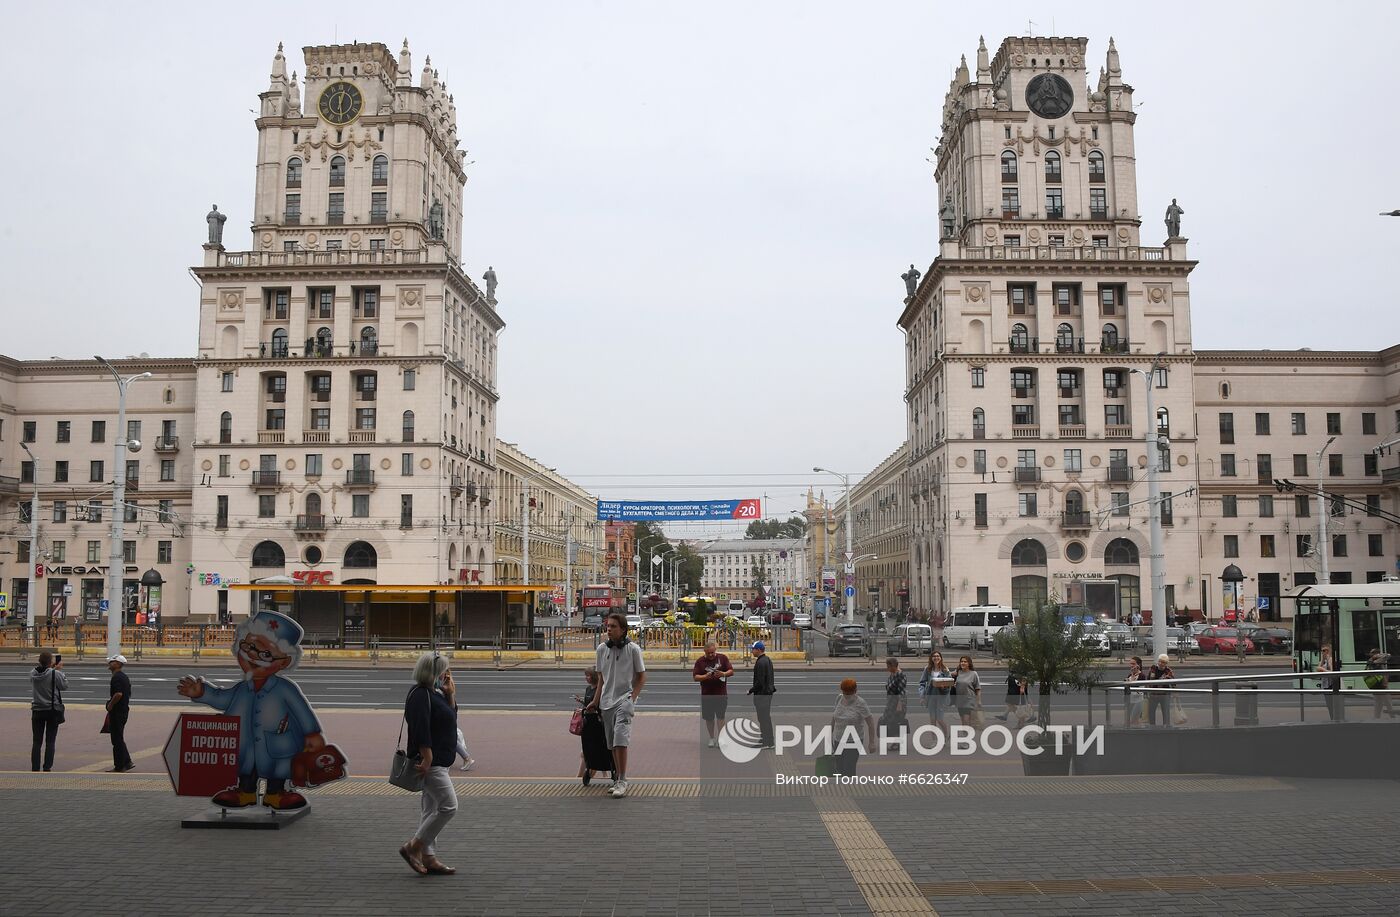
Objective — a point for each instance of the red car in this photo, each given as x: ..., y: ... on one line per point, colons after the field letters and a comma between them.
x: 1222, y: 640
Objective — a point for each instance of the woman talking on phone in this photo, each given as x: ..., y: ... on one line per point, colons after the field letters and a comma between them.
x: 46, y: 709
x: 431, y: 711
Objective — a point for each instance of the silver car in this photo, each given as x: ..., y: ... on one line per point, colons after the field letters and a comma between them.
x: 910, y: 638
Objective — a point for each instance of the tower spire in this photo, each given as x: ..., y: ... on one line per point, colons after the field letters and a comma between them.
x: 984, y: 66
x: 405, y: 75
x: 279, y: 70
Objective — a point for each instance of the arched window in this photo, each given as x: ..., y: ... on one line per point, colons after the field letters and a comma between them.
x: 294, y: 172
x: 369, y: 341
x: 225, y: 427
x: 1120, y: 552
x: 1074, y: 502
x: 323, y: 341
x: 1028, y: 553
x: 313, y: 504
x: 279, y: 342
x: 408, y: 427
x: 337, y: 171
x: 1095, y: 166
x: 979, y: 424
x: 360, y: 555
x: 379, y: 171
x: 1052, y: 166
x: 1008, y: 166
x: 1028, y: 592
x: 1110, y: 338
x: 269, y: 554
x: 1064, y: 338
x: 1164, y: 423
x: 1020, y: 338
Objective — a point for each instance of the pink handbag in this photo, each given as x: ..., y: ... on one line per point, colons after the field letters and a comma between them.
x: 576, y: 722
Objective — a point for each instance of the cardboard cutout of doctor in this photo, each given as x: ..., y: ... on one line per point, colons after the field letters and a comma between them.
x: 280, y: 737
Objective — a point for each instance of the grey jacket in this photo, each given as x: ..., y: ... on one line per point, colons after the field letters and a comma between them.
x: 43, y: 681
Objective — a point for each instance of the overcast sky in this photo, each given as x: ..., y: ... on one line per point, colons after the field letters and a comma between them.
x: 699, y: 211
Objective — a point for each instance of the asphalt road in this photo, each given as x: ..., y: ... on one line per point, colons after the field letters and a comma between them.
x: 801, y: 687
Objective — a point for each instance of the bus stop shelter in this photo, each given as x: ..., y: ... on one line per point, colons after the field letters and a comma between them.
x: 364, y: 616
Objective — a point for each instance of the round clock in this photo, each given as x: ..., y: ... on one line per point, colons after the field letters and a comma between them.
x: 341, y: 103
x: 1048, y: 95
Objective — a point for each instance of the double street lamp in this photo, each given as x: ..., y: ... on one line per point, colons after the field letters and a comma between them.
x: 117, y: 557
x: 850, y: 563
x: 1154, y: 506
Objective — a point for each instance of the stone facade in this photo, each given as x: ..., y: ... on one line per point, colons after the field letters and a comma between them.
x: 559, y: 510
x: 730, y: 564
x: 880, y: 520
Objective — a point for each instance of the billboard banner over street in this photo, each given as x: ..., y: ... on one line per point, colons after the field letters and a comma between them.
x: 662, y: 510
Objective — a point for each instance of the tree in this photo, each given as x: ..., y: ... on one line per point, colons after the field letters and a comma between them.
x: 760, y: 582
x: 690, y: 569
x: 794, y: 527
x: 1041, y: 649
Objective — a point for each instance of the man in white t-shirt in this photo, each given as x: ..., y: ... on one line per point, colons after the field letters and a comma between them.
x: 621, y: 675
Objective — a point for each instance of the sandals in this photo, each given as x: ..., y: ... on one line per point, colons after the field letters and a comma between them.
x: 410, y: 857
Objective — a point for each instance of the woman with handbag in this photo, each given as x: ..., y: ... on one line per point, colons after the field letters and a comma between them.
x: 1135, y: 673
x: 1379, y: 684
x: 594, y: 756
x: 895, y: 718
x: 431, y: 712
x: 46, y: 709
x: 967, y: 692
x: 1160, y: 700
x: 934, y: 687
x: 851, y: 713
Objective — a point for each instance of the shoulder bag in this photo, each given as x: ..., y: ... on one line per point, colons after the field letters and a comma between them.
x: 403, y: 769
x: 576, y: 722
x: 56, y: 697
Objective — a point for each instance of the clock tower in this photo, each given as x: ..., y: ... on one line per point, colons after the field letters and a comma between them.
x: 347, y: 359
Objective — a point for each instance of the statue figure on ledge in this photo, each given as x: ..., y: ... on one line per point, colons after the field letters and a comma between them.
x: 490, y: 278
x: 945, y: 213
x: 911, y: 280
x: 216, y: 220
x: 1174, y: 213
x: 435, y: 220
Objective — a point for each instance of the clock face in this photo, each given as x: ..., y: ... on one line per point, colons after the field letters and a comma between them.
x: 341, y: 103
x: 1048, y: 95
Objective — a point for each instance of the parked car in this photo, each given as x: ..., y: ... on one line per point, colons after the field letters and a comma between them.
x: 755, y: 621
x: 1270, y: 639
x: 910, y: 638
x: 634, y: 622
x: 780, y: 617
x: 1120, y: 635
x: 1222, y: 640
x: 736, y: 606
x: 593, y: 620
x: 802, y: 620
x: 973, y: 626
x: 1094, y: 637
x: 847, y: 640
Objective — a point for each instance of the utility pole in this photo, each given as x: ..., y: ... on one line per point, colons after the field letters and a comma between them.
x: 116, y: 560
x: 850, y: 567
x: 1323, y: 511
x: 33, y: 539
x: 1154, y: 505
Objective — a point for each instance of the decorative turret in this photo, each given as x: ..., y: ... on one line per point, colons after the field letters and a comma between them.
x: 279, y: 70
x: 405, y: 74
x: 425, y: 80
x: 1115, y: 69
x: 294, y: 96
x: 962, y: 78
x: 984, y: 65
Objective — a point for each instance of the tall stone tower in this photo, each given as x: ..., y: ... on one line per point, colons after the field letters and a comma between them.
x: 347, y: 361
x: 1030, y: 338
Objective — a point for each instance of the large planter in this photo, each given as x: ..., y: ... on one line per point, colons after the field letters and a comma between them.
x: 1047, y: 763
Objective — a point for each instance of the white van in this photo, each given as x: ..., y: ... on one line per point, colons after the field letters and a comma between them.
x: 736, y: 606
x: 975, y: 626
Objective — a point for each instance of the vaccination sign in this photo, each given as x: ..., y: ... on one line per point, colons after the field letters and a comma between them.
x: 201, y: 754
x: 647, y: 511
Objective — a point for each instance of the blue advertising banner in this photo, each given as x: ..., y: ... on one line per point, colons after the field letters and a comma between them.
x: 653, y: 510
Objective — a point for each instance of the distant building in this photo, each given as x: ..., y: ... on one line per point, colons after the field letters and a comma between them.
x: 734, y: 568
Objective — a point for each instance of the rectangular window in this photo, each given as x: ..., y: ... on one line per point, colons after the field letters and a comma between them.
x: 267, y: 506
x: 364, y: 418
x: 367, y: 302
x: 1300, y: 464
x: 94, y: 554
x: 221, y: 512
x: 1119, y: 502
x: 1025, y: 458
x: 1368, y: 424
x: 1099, y: 242
x: 1266, y: 546
x: 22, y: 552
x: 1098, y: 204
x: 1229, y: 506
x: 1010, y: 203
x: 60, y: 472
x: 1066, y: 298
x: 64, y: 433
x: 406, y: 463
x: 1160, y: 377
x: 1337, y: 506
x: 1056, y: 240
x: 378, y: 206
x: 1373, y: 504
x: 979, y: 461
x: 1227, y: 429
x: 979, y: 377
x: 226, y: 382
x: 165, y: 511
x: 1334, y: 424
x: 1026, y: 504
x: 1266, y: 506
x: 1299, y: 422
x: 1339, y: 546
x: 31, y: 429
x: 167, y: 469
x: 320, y: 418
x: 94, y: 511
x: 1022, y: 383
x: 128, y: 552
x: 1054, y: 204
x: 1012, y: 241
x: 1023, y: 414
x: 1375, y: 545
x: 224, y: 460
x: 26, y: 472
x: 1021, y: 297
x: 60, y: 511
x: 1113, y: 382
x: 1261, y: 424
x: 292, y: 211
x: 1227, y: 465
x: 410, y: 379
x: 133, y: 429
x: 1166, y: 508
x: 277, y: 304
x: 378, y: 245
x: 979, y: 510
x: 133, y: 472
x: 406, y: 511
x: 1231, y: 545
x: 1074, y: 460
x: 99, y: 431
x: 335, y: 208
x: 1115, y: 415
x: 313, y: 464
x: 276, y: 419
x: 321, y: 303
x: 60, y: 552
x: 164, y: 551
x: 1334, y: 466
x: 1371, y: 462
x: 359, y: 506
x: 1069, y: 415
x: 131, y: 511
x: 1302, y: 505
x: 1303, y: 546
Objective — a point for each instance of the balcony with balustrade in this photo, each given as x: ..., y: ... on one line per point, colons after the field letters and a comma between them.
x: 266, y: 480
x: 1076, y: 520
x: 167, y: 444
x: 359, y: 479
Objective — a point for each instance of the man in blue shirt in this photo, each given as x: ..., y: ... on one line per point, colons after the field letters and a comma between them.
x: 276, y: 723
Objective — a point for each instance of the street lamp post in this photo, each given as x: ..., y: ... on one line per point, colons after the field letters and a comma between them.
x: 33, y: 538
x: 1323, y: 511
x: 637, y: 561
x: 525, y: 523
x: 850, y: 563
x: 1154, y: 505
x: 115, y: 559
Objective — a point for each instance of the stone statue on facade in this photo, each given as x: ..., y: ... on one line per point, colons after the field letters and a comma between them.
x: 945, y: 213
x: 435, y: 220
x: 1174, y: 213
x: 216, y: 220
x: 911, y: 280
x: 490, y: 278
